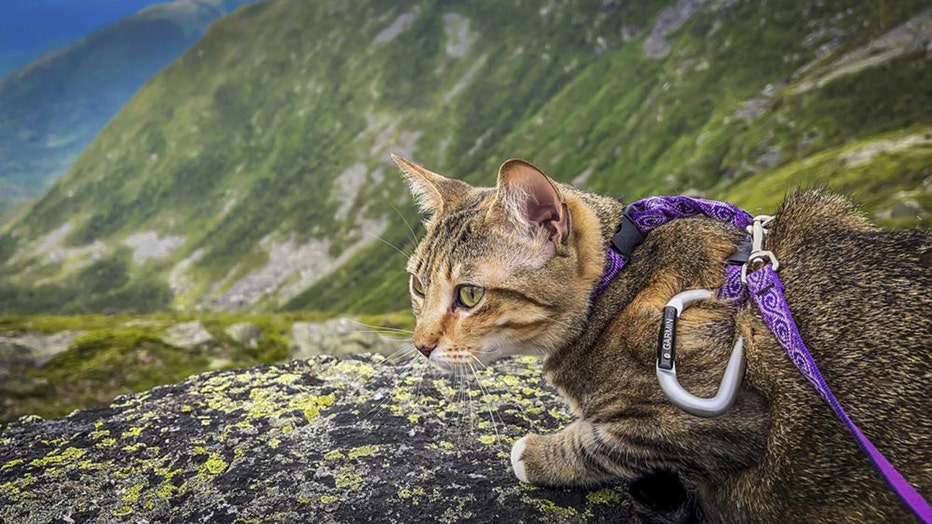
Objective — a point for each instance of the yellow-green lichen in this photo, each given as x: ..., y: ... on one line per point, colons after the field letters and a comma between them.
x: 214, y: 465
x: 552, y: 507
x: 328, y: 499
x: 510, y: 381
x: 603, y: 496
x: 487, y: 439
x: 348, y: 477
x: 11, y: 464
x: 122, y: 511
x: 13, y: 489
x: 274, y: 442
x: 402, y: 394
x: 68, y: 454
x: 314, y: 403
x: 131, y: 432
x: 87, y: 464
x: 132, y: 493
x: 334, y: 455
x: 413, y: 494
x: 364, y: 451
x: 354, y: 367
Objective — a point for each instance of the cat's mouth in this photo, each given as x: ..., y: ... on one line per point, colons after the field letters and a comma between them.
x: 450, y: 360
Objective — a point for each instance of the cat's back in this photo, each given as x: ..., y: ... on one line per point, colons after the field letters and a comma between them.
x: 836, y: 264
x: 861, y: 298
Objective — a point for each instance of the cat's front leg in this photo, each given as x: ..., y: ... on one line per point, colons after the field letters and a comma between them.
x: 575, y: 456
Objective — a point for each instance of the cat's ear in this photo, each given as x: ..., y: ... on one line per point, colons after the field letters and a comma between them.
x: 533, y: 201
x: 431, y: 191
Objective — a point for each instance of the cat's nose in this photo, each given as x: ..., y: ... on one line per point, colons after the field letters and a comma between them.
x: 425, y: 349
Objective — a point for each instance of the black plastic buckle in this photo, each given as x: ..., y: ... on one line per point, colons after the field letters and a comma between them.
x: 627, y: 236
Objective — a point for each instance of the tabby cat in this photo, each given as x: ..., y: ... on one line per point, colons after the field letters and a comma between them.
x: 511, y: 270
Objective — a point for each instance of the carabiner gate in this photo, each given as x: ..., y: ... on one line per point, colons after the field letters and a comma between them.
x: 666, y: 363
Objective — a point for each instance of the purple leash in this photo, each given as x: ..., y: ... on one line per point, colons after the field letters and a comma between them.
x: 767, y: 292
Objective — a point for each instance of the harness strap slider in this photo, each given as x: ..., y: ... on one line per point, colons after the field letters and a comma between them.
x: 741, y: 255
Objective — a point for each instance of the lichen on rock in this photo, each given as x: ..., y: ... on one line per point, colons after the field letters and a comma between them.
x: 322, y: 440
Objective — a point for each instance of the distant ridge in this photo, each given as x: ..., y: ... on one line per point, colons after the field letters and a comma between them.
x: 53, y: 107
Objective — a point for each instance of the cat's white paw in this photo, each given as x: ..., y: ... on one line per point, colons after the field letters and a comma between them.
x: 517, y: 452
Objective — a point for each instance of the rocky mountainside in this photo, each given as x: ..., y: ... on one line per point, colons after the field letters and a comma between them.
x: 253, y: 173
x: 321, y: 440
x: 52, y: 108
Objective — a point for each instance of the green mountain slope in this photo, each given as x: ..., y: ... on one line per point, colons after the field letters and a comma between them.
x: 52, y: 108
x: 253, y: 173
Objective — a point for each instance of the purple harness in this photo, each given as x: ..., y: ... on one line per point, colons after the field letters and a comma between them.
x: 766, y: 291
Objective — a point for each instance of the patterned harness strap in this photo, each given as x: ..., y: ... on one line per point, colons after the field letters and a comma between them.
x: 766, y: 291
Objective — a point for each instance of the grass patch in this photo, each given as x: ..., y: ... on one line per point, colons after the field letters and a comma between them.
x: 125, y: 353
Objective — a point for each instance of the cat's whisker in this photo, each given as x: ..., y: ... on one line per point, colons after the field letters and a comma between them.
x: 385, y: 332
x: 412, y: 235
x: 384, y: 336
x: 425, y: 368
x: 462, y: 396
x: 504, y: 385
x: 488, y: 401
x: 377, y: 327
x: 402, y: 352
x: 389, y: 244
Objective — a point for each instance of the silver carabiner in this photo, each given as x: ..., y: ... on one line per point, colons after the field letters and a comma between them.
x: 666, y: 363
x: 758, y: 231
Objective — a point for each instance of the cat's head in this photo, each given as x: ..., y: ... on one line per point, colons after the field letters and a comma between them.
x: 500, y: 271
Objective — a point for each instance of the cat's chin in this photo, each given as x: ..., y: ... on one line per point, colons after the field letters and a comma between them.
x: 451, y: 364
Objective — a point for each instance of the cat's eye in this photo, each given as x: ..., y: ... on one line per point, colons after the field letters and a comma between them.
x: 468, y: 296
x: 417, y: 286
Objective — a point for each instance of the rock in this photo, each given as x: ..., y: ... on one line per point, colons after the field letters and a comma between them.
x: 322, y: 440
x: 35, y: 348
x: 668, y: 21
x: 187, y: 335
x: 907, y: 207
x: 629, y: 32
x: 18, y: 384
x: 244, y: 333
x: 341, y: 337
